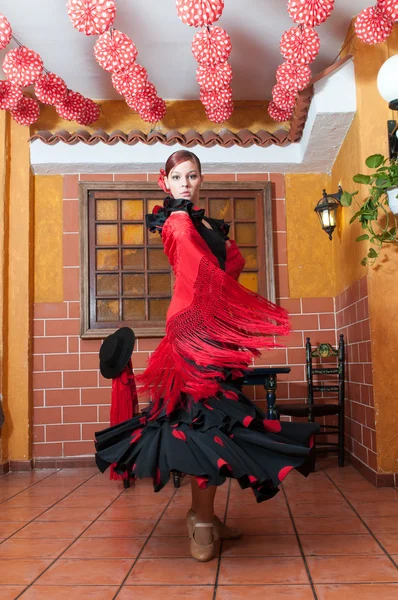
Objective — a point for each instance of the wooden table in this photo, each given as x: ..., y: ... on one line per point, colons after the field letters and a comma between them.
x: 268, y: 378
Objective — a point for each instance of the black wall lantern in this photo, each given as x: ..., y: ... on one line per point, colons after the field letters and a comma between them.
x: 326, y: 209
x: 387, y: 84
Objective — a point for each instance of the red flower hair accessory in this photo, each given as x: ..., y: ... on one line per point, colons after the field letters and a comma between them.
x: 5, y: 32
x: 22, y: 66
x: 162, y: 184
x: 10, y: 95
x: 92, y: 17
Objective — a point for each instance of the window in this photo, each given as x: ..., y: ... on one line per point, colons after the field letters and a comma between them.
x: 126, y: 278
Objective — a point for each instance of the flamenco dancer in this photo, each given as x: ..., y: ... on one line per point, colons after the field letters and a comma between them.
x: 199, y: 422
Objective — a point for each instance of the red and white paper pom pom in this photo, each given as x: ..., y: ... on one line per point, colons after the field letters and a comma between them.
x: 215, y: 98
x: 373, y: 26
x: 389, y: 7
x: 293, y: 77
x: 22, y: 66
x: 310, y: 12
x: 155, y: 113
x: 214, y: 78
x: 144, y: 99
x: 26, y: 112
x: 279, y: 115
x: 283, y: 98
x: 71, y: 106
x: 300, y: 45
x: 220, y: 113
x: 197, y: 13
x: 115, y: 51
x: 211, y: 46
x: 92, y: 17
x: 5, y: 32
x: 10, y: 95
x: 130, y: 81
x: 89, y: 113
x: 50, y: 89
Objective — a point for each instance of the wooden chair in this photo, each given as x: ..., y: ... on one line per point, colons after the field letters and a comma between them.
x: 315, y: 410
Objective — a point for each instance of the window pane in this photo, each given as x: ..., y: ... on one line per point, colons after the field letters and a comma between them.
x: 132, y: 210
x: 249, y: 280
x: 107, y: 310
x: 107, y: 235
x: 133, y: 310
x: 245, y: 209
x: 133, y: 235
x: 220, y: 209
x: 152, y: 203
x: 107, y: 260
x: 106, y: 210
x: 133, y: 259
x: 245, y: 233
x: 158, y: 309
x: 134, y: 285
x: 158, y: 283
x: 107, y: 285
x: 250, y: 256
x: 157, y: 259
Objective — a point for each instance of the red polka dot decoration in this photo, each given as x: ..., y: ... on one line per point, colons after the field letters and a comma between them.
x: 26, y: 112
x: 144, y: 99
x: 92, y: 17
x: 214, y: 78
x: 293, y: 77
x: 300, y: 45
x: 89, y: 113
x: 50, y: 89
x: 310, y: 12
x: 10, y: 95
x: 5, y: 32
x: 71, y: 106
x: 202, y: 482
x: 279, y: 115
x: 272, y: 425
x: 197, y: 13
x: 115, y: 51
x: 155, y: 113
x: 373, y: 26
x: 216, y: 98
x: 389, y: 8
x: 180, y: 435
x: 283, y: 98
x: 284, y: 472
x: 22, y: 66
x: 221, y: 113
x: 130, y: 81
x: 211, y: 46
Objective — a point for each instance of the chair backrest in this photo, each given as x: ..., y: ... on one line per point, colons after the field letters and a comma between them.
x: 324, y: 351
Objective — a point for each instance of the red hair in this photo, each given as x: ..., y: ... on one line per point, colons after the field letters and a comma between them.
x: 179, y: 157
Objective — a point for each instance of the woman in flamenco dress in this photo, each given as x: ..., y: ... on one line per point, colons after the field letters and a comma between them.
x: 199, y: 422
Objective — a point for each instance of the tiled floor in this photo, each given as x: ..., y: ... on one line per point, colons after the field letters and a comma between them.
x: 73, y: 534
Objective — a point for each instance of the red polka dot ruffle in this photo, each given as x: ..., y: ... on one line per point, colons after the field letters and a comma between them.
x: 197, y: 13
x: 5, y: 32
x: 115, y: 51
x: 26, y: 112
x: 89, y: 113
x: 92, y: 17
x: 22, y: 66
x: 300, y: 45
x: 373, y: 26
x: 283, y: 98
x: 310, y: 12
x: 10, y: 95
x: 214, y: 78
x: 50, y: 89
x: 279, y: 115
x: 130, y: 81
x: 211, y: 46
x: 71, y: 106
x: 293, y: 77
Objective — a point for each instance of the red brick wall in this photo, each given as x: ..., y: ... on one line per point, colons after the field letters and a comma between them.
x: 71, y: 399
x: 352, y: 319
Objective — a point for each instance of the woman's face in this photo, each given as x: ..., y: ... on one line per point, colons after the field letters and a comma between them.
x: 184, y: 181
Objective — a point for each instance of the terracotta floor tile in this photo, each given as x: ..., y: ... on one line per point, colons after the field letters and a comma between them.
x: 32, y: 548
x: 352, y: 569
x: 389, y: 541
x: 383, y: 591
x: 339, y: 544
x: 70, y: 514
x: 165, y: 547
x: 263, y: 526
x: 119, y: 529
x: 330, y: 509
x: 30, y: 502
x: 319, y: 498
x: 359, y: 485
x: 269, y: 570
x: 258, y: 545
x: 159, y: 592
x: 264, y: 592
x: 265, y: 510
x: 164, y: 571
x: 10, y: 592
x: 17, y: 572
x: 7, y: 529
x: 377, y: 509
x: 124, y: 513
x: 19, y: 514
x: 382, y: 524
x: 126, y: 500
x: 171, y: 527
x: 73, y: 501
x: 70, y: 592
x: 141, y: 490
x: 345, y: 525
x: 86, y: 572
x: 105, y: 548
x: 376, y: 495
x: 62, y: 530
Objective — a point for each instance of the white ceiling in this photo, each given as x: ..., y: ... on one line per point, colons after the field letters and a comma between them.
x: 164, y: 43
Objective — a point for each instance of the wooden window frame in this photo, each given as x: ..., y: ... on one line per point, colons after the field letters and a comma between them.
x: 265, y: 245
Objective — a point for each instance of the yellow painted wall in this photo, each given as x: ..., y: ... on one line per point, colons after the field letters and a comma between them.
x: 48, y: 279
x: 4, y: 124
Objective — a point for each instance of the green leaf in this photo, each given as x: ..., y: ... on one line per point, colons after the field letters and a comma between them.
x: 361, y: 178
x: 374, y: 161
x: 382, y: 182
x: 361, y: 238
x: 355, y: 216
x: 346, y: 199
x: 364, y: 262
x: 372, y: 253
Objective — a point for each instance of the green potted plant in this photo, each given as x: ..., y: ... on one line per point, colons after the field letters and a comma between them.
x: 380, y: 224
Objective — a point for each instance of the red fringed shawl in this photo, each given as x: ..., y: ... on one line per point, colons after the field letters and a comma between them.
x: 212, y: 320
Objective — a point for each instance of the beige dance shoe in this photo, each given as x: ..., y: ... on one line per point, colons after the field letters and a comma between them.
x: 200, y: 552
x: 221, y: 531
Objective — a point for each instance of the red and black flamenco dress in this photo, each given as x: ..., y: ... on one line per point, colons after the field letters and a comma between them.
x: 199, y: 421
